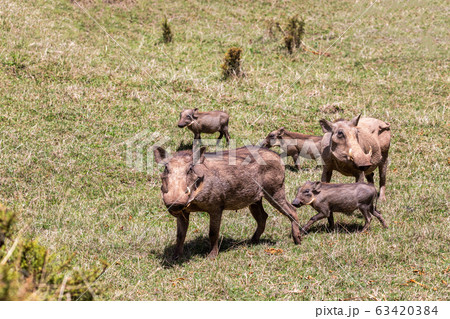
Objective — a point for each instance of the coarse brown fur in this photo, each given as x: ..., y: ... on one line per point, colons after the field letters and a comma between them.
x: 356, y: 148
x: 294, y: 144
x: 205, y: 122
x: 343, y: 198
x: 228, y: 180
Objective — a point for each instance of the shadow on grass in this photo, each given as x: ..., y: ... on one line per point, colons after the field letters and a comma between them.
x: 184, y: 147
x: 211, y: 148
x: 294, y: 169
x: 200, y: 246
x: 338, y: 228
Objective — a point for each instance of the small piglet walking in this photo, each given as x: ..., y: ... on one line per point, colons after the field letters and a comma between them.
x: 205, y: 122
x: 341, y: 198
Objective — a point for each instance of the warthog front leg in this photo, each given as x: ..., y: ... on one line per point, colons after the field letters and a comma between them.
x: 214, y: 228
x: 278, y: 200
x: 260, y: 216
x: 197, y: 138
x: 360, y: 177
x: 315, y: 218
x: 326, y: 174
x: 382, y: 170
x: 369, y: 178
x: 182, y: 226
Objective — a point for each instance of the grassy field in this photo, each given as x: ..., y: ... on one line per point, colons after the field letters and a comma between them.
x: 78, y: 79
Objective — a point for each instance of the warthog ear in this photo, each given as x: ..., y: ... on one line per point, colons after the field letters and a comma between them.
x: 160, y: 154
x: 384, y: 127
x: 195, y: 114
x: 327, y: 126
x: 281, y: 131
x: 355, y: 120
x: 199, y: 155
x: 316, y: 187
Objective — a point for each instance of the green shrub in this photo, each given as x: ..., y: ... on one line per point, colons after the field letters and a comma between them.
x: 296, y: 29
x: 289, y: 43
x: 28, y: 271
x: 166, y: 32
x: 7, y: 222
x: 232, y: 63
x: 292, y: 34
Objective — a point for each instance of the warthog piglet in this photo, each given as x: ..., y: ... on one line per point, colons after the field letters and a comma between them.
x: 205, y: 122
x: 340, y: 198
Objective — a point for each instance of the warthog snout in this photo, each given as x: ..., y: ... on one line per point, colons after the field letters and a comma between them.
x: 364, y: 168
x: 296, y: 203
x: 264, y: 143
x: 175, y: 207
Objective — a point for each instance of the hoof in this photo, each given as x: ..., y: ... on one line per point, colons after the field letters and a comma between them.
x: 175, y: 257
x: 212, y: 256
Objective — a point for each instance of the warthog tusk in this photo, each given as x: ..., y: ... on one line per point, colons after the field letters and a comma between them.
x: 370, y: 151
x: 350, y: 155
x: 311, y: 201
x: 188, y: 190
x: 195, y: 194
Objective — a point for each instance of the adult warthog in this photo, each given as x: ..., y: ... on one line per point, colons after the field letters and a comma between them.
x: 356, y: 148
x: 228, y: 180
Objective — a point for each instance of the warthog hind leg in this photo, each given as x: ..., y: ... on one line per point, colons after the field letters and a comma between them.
x: 278, y: 200
x: 260, y: 216
x: 377, y: 214
x: 365, y: 211
x: 331, y: 221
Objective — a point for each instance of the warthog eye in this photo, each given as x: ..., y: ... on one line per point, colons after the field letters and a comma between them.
x: 306, y: 191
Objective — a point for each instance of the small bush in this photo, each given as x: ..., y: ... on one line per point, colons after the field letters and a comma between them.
x: 166, y: 32
x: 28, y: 271
x: 7, y: 222
x: 296, y: 29
x: 292, y: 34
x: 232, y: 63
x: 289, y: 43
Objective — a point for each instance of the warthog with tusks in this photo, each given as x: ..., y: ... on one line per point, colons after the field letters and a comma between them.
x: 356, y: 148
x: 228, y: 180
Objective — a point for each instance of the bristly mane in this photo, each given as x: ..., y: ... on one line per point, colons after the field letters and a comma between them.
x: 296, y: 135
x: 224, y: 152
x: 183, y: 153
